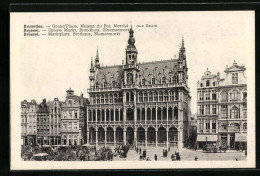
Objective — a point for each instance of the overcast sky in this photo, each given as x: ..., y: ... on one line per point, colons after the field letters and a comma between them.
x: 45, y: 67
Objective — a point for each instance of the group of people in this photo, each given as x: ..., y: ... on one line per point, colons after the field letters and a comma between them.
x: 176, y: 156
x: 71, y: 153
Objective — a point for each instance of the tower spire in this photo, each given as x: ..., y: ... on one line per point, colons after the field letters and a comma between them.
x: 97, y: 64
x: 182, y: 43
x: 91, y: 66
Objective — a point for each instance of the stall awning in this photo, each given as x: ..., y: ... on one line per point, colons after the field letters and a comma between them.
x: 209, y: 138
x: 241, y: 137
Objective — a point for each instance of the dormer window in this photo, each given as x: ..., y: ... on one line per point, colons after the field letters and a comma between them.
x: 234, y: 78
x: 153, y: 80
x: 105, y: 84
x: 163, y: 80
x: 114, y: 84
x: 143, y: 81
x: 201, y: 84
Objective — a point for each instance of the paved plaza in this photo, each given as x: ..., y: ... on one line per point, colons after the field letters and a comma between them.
x: 186, y: 155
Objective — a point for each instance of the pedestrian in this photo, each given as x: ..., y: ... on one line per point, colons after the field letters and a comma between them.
x: 172, y: 157
x: 195, y: 147
x: 175, y: 153
x: 169, y: 149
x: 196, y: 158
x: 246, y: 152
x: 155, y: 157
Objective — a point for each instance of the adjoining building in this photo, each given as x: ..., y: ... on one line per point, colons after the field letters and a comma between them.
x: 222, y: 108
x: 54, y: 122
x: 143, y: 104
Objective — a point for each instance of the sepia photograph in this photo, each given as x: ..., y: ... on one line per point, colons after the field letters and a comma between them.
x: 114, y: 90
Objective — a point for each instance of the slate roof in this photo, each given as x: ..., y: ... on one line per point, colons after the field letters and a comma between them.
x: 149, y: 70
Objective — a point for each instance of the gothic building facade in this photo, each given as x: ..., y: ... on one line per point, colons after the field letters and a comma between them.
x: 222, y: 108
x: 143, y: 104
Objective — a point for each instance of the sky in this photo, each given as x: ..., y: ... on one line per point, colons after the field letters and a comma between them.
x: 45, y: 67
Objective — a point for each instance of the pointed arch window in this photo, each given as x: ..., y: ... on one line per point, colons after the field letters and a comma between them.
x: 150, y: 96
x: 140, y: 97
x: 160, y: 96
x: 129, y: 78
x: 166, y: 96
x: 155, y: 96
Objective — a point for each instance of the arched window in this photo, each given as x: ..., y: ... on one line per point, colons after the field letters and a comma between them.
x: 127, y: 97
x: 155, y: 96
x: 115, y: 98
x: 160, y: 96
x: 165, y: 95
x: 234, y: 95
x: 102, y: 99
x: 132, y: 96
x: 244, y: 126
x: 150, y: 96
x: 98, y: 99
x: 145, y: 97
x: 110, y: 98
x: 106, y: 98
x: 234, y: 112
x: 129, y: 78
x: 140, y: 97
x: 207, y: 83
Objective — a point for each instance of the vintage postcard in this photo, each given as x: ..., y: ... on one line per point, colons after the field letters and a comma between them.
x: 132, y: 90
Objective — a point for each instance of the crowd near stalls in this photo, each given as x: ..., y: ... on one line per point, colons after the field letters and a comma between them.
x: 71, y: 153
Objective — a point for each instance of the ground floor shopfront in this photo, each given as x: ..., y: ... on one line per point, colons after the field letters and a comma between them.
x: 233, y: 141
x: 48, y: 140
x: 140, y: 136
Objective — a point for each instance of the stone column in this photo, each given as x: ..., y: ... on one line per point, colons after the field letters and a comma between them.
x: 180, y: 142
x: 96, y: 115
x: 167, y: 118
x: 228, y: 141
x: 145, y: 114
x: 156, y: 114
x: 135, y: 136
x: 105, y: 115
x: 92, y: 116
x: 124, y: 136
x: 114, y: 111
x: 87, y: 136
x: 210, y: 125
x: 96, y: 138
x: 146, y: 132
x: 156, y: 131
x: 167, y: 138
x: 109, y: 115
x: 105, y: 137
x: 119, y: 114
x: 115, y: 137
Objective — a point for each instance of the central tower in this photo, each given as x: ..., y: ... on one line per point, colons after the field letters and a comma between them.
x: 131, y: 67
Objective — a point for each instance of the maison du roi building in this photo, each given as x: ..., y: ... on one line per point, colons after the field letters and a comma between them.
x: 222, y: 108
x: 144, y: 104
